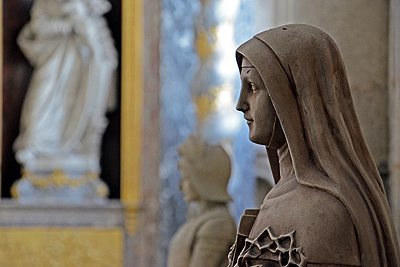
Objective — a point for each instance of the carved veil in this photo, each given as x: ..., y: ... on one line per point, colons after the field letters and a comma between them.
x: 304, y: 73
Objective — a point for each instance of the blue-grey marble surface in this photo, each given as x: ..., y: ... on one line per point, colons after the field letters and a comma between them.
x: 179, y: 64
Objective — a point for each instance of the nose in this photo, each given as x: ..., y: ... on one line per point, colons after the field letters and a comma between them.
x: 242, y: 104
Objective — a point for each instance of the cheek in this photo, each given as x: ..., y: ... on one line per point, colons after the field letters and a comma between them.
x: 188, y: 191
x: 264, y: 119
x: 185, y: 187
x: 265, y: 113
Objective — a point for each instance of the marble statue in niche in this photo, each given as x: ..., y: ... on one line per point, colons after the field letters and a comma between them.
x: 73, y: 85
x: 328, y: 206
x: 205, y: 239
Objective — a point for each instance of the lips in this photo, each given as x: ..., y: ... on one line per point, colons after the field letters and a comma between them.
x: 248, y: 120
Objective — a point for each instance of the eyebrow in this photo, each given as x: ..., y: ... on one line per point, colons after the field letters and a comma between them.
x: 249, y: 67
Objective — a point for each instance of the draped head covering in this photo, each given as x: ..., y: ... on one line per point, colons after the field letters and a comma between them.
x: 305, y: 76
x: 207, y: 167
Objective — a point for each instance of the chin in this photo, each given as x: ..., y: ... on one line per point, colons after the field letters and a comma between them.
x: 260, y: 140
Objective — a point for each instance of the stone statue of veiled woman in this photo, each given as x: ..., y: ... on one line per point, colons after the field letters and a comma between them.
x: 73, y: 84
x: 205, y: 239
x: 328, y: 207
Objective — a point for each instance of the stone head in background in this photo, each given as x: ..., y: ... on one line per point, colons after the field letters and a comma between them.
x: 328, y: 207
x: 73, y: 84
x: 205, y: 239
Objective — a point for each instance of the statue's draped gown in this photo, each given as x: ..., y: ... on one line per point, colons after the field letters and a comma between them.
x: 203, y: 240
x: 74, y: 59
x: 332, y: 211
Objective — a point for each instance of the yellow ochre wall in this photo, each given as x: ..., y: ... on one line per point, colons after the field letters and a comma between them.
x: 62, y: 247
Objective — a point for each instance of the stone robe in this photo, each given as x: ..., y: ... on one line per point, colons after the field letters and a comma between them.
x: 333, y: 211
x: 204, y: 240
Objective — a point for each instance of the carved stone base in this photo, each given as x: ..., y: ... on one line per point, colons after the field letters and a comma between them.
x: 59, y: 187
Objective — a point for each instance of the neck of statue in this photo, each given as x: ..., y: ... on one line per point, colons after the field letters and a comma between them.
x: 197, y: 208
x: 287, y: 179
x: 205, y: 205
x: 285, y: 164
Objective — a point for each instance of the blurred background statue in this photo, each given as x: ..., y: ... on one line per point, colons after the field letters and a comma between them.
x: 73, y: 84
x: 205, y: 239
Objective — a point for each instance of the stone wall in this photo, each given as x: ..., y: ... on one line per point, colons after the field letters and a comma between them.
x: 394, y: 110
x: 360, y: 28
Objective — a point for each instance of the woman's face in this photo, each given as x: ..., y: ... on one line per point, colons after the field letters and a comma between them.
x: 255, y: 103
x: 188, y: 191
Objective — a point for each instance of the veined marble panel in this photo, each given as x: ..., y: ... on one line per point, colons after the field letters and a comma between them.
x: 181, y: 57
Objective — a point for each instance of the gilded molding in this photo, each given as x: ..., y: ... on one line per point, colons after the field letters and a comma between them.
x: 131, y: 219
x: 204, y: 104
x: 59, y: 179
x: 131, y: 109
x: 217, y: 97
x: 205, y: 43
x: 131, y: 99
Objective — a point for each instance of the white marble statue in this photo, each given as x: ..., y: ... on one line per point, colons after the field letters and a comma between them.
x: 73, y: 84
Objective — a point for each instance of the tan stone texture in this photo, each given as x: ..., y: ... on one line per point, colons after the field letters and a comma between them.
x: 360, y: 28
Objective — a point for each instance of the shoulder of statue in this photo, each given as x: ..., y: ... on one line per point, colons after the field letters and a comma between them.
x: 328, y: 234
x: 223, y: 227
x: 316, y: 222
